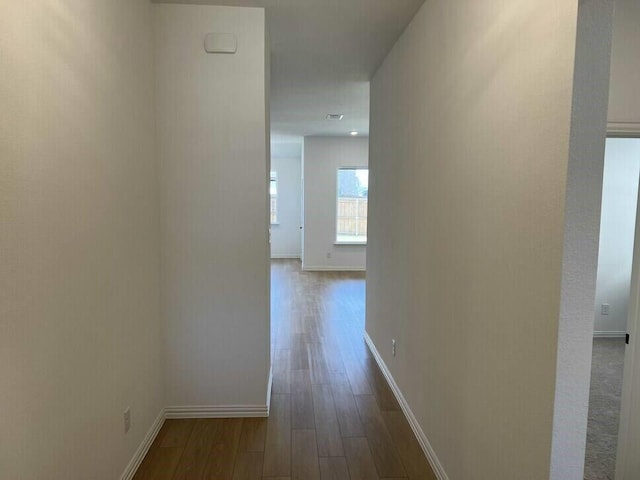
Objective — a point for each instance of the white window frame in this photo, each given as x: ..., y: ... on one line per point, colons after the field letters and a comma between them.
x: 273, y: 211
x: 335, y: 223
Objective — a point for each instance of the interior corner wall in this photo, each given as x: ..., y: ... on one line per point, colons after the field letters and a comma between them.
x: 213, y: 152
x: 617, y: 230
x: 471, y: 120
x: 322, y: 158
x: 285, y: 234
x: 624, y: 101
x: 80, y: 327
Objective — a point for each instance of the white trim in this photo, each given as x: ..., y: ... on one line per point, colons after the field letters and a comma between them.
x: 623, y: 128
x: 604, y: 334
x: 626, y: 458
x: 286, y: 255
x: 269, y: 384
x: 437, y: 467
x: 142, y: 450
x: 347, y: 244
x: 217, y: 411
x: 333, y: 269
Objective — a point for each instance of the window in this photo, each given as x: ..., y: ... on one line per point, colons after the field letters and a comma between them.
x: 273, y: 192
x: 351, y: 212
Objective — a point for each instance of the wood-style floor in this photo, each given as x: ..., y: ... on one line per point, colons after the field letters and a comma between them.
x: 333, y: 416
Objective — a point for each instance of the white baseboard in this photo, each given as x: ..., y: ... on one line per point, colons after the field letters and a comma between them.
x: 217, y: 411
x: 224, y: 411
x: 135, y: 462
x: 437, y: 467
x: 605, y: 334
x: 291, y: 256
x: 306, y: 268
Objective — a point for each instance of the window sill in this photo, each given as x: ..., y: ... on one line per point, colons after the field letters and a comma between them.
x: 275, y: 223
x: 364, y: 244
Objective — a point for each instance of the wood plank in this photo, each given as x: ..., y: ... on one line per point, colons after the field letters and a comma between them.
x: 333, y: 358
x: 277, y: 451
x: 384, y: 396
x: 177, y: 432
x: 334, y: 468
x: 299, y: 354
x: 282, y: 372
x: 224, y: 451
x: 359, y: 459
x: 356, y: 374
x: 412, y: 456
x: 150, y: 457
x: 301, y: 401
x: 327, y: 427
x: 312, y: 328
x: 317, y: 365
x: 383, y: 450
x: 339, y: 378
x: 198, y: 449
x: 248, y: 466
x: 304, y: 456
x: 254, y: 434
x: 347, y: 411
x: 162, y: 465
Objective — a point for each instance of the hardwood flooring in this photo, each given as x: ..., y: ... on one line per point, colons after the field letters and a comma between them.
x: 333, y: 416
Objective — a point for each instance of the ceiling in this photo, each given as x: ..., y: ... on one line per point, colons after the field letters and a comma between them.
x: 323, y: 54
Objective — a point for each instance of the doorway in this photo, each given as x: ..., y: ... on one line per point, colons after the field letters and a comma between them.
x: 616, y: 254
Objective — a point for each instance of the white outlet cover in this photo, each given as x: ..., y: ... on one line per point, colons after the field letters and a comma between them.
x: 220, y: 43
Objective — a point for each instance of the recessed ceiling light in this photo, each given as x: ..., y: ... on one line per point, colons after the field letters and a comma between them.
x: 353, y: 133
x: 335, y: 116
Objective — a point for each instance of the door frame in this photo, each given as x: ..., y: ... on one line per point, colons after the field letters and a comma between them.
x: 627, y: 464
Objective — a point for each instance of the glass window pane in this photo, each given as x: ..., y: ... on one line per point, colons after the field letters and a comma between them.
x: 352, y: 203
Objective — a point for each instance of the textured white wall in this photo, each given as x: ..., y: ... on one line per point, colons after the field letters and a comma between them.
x: 213, y: 151
x: 322, y: 158
x: 471, y: 116
x: 80, y: 329
x: 617, y: 227
x: 286, y: 236
x: 581, y: 236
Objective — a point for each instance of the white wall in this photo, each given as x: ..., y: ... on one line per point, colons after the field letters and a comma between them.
x: 80, y: 329
x: 285, y: 235
x: 617, y: 228
x: 624, y: 101
x: 213, y: 151
x: 322, y: 158
x: 581, y: 235
x: 470, y: 146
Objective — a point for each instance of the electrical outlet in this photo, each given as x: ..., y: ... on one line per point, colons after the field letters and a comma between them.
x: 604, y: 309
x: 393, y: 347
x: 328, y: 254
x: 127, y: 420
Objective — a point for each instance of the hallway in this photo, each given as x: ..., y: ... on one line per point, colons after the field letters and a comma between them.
x: 332, y: 414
